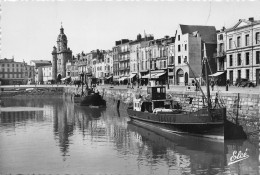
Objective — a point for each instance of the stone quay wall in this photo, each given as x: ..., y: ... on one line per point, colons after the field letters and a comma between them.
x: 244, y: 106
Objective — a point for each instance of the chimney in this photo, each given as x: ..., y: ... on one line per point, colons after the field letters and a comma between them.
x: 166, y: 36
x: 139, y: 37
x: 251, y: 19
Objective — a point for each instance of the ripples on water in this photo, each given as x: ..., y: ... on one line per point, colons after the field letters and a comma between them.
x: 66, y: 138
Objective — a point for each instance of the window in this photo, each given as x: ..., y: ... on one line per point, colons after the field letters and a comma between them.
x: 238, y: 41
x: 247, y: 58
x: 247, y: 40
x: 179, y: 48
x: 7, y: 65
x: 230, y: 60
x: 220, y: 37
x: 179, y: 59
x: 257, y: 57
x: 239, y: 59
x: 239, y: 74
x: 247, y: 74
x: 185, y: 47
x: 257, y: 37
x: 179, y: 37
x: 230, y: 43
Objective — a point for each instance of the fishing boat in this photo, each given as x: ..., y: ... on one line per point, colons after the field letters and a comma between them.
x: 206, y: 121
x: 168, y: 114
x: 90, y: 98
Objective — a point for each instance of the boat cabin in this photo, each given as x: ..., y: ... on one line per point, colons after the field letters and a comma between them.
x: 155, y: 100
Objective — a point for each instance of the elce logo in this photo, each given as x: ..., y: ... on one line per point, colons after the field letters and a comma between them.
x: 238, y: 156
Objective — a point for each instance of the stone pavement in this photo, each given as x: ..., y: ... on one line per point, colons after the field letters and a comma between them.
x: 221, y: 89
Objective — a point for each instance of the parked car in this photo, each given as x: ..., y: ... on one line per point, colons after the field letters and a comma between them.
x: 244, y: 83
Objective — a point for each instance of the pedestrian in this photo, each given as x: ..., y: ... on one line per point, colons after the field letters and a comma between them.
x: 227, y: 83
x: 212, y: 85
x: 196, y: 86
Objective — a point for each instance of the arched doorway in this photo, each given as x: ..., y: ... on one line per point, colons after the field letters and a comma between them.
x: 186, y: 78
x: 180, y: 78
x: 59, y: 78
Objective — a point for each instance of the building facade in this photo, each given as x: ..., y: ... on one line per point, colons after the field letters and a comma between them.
x: 121, y: 57
x: 38, y: 74
x: 189, y: 42
x: 11, y: 72
x: 242, y: 51
x: 46, y: 74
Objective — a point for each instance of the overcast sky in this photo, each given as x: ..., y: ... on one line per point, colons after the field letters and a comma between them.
x: 30, y: 29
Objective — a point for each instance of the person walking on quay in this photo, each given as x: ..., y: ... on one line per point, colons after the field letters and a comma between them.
x: 227, y: 83
x: 212, y: 84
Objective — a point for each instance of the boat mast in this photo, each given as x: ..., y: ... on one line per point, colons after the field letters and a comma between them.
x: 205, y: 60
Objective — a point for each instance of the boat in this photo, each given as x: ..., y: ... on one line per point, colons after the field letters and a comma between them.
x: 90, y: 98
x: 168, y: 114
x: 207, y: 121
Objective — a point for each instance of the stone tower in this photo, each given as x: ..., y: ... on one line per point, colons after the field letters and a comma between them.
x: 62, y: 54
x: 54, y: 64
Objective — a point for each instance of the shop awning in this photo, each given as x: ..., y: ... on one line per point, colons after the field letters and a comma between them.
x: 122, y: 78
x: 132, y: 75
x: 216, y: 74
x: 108, y: 77
x: 154, y: 75
x: 64, y: 78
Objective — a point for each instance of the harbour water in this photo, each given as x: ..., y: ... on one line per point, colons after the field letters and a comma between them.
x: 59, y: 137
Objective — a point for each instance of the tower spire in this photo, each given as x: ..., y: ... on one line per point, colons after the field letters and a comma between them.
x: 61, y: 29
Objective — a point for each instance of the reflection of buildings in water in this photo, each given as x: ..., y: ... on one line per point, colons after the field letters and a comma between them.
x: 191, y: 154
x: 63, y: 123
x: 247, y: 166
x: 20, y: 117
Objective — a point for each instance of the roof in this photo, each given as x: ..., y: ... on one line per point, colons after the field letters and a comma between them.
x: 243, y: 23
x: 41, y: 61
x: 208, y: 33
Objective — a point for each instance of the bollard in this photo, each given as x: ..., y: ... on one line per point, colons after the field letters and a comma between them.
x: 118, y: 104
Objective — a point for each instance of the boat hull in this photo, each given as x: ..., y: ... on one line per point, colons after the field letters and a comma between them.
x: 195, y: 123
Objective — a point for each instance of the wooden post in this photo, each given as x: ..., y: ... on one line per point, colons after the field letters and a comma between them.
x: 238, y: 99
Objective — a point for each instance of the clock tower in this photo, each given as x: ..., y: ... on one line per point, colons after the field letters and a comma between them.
x: 62, y: 54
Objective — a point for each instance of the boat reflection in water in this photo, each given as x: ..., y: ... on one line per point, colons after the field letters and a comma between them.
x: 196, y: 155
x: 191, y: 154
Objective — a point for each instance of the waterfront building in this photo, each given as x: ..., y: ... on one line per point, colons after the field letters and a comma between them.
x: 11, y: 72
x: 189, y: 41
x: 100, y: 67
x: 46, y: 74
x: 60, y: 56
x: 242, y: 57
x: 108, y: 60
x: 28, y: 74
x: 38, y: 64
x: 156, y: 54
x: 136, y: 58
x: 121, y: 57
x: 72, y: 70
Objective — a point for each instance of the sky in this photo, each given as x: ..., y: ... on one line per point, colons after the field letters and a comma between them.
x: 30, y: 29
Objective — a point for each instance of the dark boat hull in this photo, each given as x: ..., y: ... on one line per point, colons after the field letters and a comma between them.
x: 92, y: 100
x: 194, y: 123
